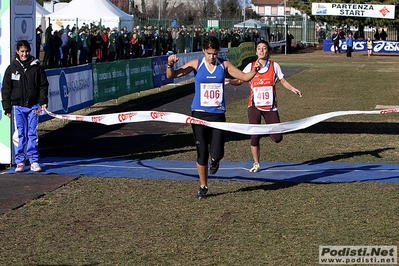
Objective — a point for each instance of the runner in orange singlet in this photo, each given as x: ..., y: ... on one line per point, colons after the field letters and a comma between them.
x: 262, y: 97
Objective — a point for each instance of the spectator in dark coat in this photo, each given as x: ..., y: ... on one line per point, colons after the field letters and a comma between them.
x: 383, y: 35
x: 289, y: 39
x: 65, y: 46
x: 121, y: 46
x: 181, y: 42
x: 57, y: 42
x: 104, y: 45
x: 112, y: 46
x: 39, y: 34
x: 73, y: 37
x: 48, y: 43
x: 376, y: 35
x: 335, y: 39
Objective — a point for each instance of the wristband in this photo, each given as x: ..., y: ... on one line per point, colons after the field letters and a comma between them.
x: 170, y: 66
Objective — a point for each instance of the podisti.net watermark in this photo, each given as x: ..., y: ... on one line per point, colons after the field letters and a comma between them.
x: 386, y: 255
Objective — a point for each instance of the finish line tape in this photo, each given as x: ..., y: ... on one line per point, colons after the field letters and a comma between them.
x: 246, y: 129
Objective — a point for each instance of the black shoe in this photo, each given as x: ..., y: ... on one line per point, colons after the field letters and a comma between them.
x: 214, y: 167
x: 202, y: 192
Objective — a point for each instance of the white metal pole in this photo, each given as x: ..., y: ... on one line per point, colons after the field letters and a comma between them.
x: 159, y: 12
x: 245, y: 5
x: 244, y: 20
x: 285, y: 26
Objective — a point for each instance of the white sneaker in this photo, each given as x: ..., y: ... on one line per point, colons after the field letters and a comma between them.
x: 255, y: 168
x: 35, y: 167
x: 20, y: 167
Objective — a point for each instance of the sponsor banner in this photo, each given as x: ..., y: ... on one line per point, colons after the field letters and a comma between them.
x: 141, y: 74
x: 111, y: 80
x: 224, y: 53
x: 360, y: 46
x: 354, y: 10
x: 70, y: 89
x: 184, y: 58
x: 277, y: 44
x: 116, y: 79
x: 238, y: 54
x: 246, y: 129
x: 159, y: 65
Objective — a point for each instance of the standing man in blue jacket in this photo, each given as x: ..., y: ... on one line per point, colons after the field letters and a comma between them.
x: 349, y: 44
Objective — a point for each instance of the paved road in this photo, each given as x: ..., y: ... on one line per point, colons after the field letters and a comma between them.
x: 80, y: 139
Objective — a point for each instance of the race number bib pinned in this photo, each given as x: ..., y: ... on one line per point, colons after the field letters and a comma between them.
x: 263, y: 96
x: 211, y: 94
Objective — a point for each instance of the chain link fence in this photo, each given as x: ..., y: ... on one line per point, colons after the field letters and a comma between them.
x: 304, y: 30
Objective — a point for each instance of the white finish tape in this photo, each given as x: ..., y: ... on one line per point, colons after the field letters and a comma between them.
x: 246, y: 129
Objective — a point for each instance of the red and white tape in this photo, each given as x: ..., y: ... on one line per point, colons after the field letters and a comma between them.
x: 246, y: 129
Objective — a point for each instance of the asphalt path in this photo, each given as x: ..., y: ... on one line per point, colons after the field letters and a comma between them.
x: 89, y: 140
x: 82, y: 139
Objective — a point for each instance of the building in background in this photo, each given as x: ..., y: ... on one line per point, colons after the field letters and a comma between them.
x: 273, y: 8
x: 272, y: 11
x: 122, y: 4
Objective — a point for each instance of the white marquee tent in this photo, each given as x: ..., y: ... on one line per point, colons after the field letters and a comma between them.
x: 251, y: 23
x: 264, y: 29
x: 89, y: 11
x: 41, y: 12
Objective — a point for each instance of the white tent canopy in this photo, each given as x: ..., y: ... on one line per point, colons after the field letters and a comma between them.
x: 41, y: 12
x: 89, y: 11
x: 251, y: 23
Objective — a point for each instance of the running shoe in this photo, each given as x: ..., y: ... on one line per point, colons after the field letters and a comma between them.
x: 35, y: 167
x: 255, y: 168
x: 20, y: 167
x: 214, y: 167
x: 202, y: 192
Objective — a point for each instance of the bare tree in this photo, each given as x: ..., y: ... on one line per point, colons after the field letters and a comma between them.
x: 143, y: 7
x: 193, y: 10
x: 152, y: 8
x: 230, y: 8
x: 211, y: 9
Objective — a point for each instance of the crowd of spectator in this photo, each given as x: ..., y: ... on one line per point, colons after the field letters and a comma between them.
x: 322, y: 34
x: 71, y: 46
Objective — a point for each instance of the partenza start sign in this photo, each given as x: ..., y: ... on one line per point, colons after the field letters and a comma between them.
x: 354, y: 10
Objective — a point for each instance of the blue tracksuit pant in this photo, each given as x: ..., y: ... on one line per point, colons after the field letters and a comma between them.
x: 25, y: 135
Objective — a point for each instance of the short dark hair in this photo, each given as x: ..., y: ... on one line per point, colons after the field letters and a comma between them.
x: 267, y: 44
x: 22, y: 43
x: 264, y: 42
x: 211, y: 42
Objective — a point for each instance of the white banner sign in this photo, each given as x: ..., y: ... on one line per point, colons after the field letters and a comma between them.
x: 246, y: 129
x: 353, y: 10
x: 70, y: 89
